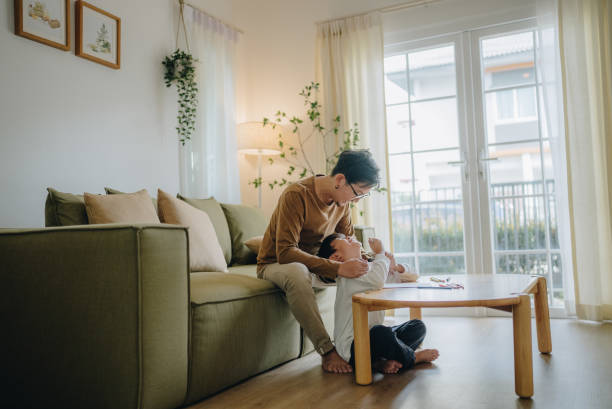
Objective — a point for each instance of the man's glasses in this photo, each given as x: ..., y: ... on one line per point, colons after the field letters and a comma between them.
x: 357, y: 195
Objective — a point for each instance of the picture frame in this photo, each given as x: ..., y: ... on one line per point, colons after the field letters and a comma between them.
x: 98, y: 35
x: 44, y: 21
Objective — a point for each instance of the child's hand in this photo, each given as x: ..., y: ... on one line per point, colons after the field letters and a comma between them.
x: 392, y: 263
x: 376, y: 245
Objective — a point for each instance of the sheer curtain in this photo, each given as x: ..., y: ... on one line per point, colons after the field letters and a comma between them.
x: 349, y: 68
x: 552, y: 123
x: 209, y: 162
x: 586, y: 64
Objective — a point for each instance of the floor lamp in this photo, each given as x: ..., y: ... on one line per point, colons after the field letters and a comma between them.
x: 256, y: 139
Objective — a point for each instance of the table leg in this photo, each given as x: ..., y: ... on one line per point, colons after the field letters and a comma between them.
x: 523, y: 363
x: 363, y: 365
x: 415, y: 313
x: 542, y: 317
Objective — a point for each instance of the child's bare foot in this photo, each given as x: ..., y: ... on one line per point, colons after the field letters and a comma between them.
x: 426, y: 355
x: 387, y: 366
x: 332, y: 362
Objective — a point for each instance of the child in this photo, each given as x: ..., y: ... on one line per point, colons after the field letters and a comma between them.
x: 398, y: 273
x: 392, y: 348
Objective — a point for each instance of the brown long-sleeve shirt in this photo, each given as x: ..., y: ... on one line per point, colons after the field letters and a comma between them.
x: 298, y: 226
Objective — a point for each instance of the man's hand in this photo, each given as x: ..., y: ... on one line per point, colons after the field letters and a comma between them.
x: 376, y: 245
x: 353, y: 268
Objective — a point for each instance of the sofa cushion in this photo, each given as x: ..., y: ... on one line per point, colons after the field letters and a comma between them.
x: 111, y: 191
x: 217, y: 217
x: 241, y: 326
x: 64, y: 209
x: 126, y: 208
x: 212, y: 287
x: 244, y: 223
x: 247, y: 270
x: 254, y: 244
x: 205, y: 253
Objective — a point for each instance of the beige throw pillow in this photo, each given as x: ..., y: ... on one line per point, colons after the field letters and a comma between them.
x: 254, y: 244
x: 127, y: 208
x: 205, y: 252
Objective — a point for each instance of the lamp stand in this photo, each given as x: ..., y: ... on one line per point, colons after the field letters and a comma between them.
x: 259, y: 177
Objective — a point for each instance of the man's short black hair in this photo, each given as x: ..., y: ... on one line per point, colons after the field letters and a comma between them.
x: 358, y: 167
x: 326, y: 250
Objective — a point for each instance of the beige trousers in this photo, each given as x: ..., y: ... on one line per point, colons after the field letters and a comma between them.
x: 295, y: 280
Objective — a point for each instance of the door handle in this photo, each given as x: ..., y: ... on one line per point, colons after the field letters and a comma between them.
x: 460, y: 163
x: 481, y: 170
x: 456, y: 163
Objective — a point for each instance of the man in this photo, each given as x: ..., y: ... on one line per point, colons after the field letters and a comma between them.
x: 306, y: 213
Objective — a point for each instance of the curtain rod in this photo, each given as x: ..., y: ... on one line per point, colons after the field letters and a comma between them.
x: 388, y: 9
x: 181, y: 2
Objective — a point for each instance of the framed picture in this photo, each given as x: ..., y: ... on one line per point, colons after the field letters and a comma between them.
x: 45, y: 21
x: 98, y: 35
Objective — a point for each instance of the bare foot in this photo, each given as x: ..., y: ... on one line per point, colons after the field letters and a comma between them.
x: 387, y: 366
x: 332, y: 362
x: 426, y: 355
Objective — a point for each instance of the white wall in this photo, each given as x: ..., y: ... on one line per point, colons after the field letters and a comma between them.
x: 75, y: 125
x: 278, y: 51
x: 79, y: 126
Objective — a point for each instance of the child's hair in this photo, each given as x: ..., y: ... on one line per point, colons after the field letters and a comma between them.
x: 326, y: 250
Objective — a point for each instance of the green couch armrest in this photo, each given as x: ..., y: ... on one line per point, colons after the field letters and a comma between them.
x: 94, y: 316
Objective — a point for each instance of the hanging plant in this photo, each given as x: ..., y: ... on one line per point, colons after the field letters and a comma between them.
x: 179, y: 70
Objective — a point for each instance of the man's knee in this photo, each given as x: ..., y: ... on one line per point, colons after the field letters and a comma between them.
x: 297, y: 275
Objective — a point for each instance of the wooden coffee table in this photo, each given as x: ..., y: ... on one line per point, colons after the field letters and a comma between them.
x: 507, y: 292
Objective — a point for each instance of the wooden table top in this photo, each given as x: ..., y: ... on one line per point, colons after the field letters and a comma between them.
x: 485, y: 290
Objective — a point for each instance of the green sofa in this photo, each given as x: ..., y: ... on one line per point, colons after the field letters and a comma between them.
x: 109, y: 316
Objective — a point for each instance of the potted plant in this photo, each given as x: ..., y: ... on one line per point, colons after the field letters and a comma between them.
x: 179, y: 70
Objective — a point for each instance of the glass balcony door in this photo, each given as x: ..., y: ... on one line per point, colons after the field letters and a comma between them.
x: 426, y: 146
x: 471, y: 175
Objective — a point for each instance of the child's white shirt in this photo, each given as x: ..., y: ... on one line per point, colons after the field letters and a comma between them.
x: 374, y: 279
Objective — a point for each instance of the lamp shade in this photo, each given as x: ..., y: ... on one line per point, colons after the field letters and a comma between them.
x: 256, y: 139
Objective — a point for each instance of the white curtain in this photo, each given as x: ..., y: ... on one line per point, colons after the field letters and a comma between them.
x: 209, y: 162
x: 349, y: 69
x: 586, y: 58
x: 552, y: 125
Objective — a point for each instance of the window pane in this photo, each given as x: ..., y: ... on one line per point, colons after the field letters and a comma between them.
x: 398, y: 128
x: 435, y: 124
x: 503, y: 123
x: 557, y: 279
x: 396, y: 88
x: 508, y: 60
x: 518, y: 223
x: 432, y: 73
x: 521, y: 264
x: 400, y: 172
x: 552, y: 217
x: 407, y: 260
x: 403, y: 236
x: 441, y: 265
x: 505, y: 104
x: 516, y: 164
x: 526, y: 102
x: 439, y: 202
x: 440, y: 226
x: 435, y: 177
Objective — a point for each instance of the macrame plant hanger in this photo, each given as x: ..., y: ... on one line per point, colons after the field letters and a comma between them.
x: 181, y: 22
